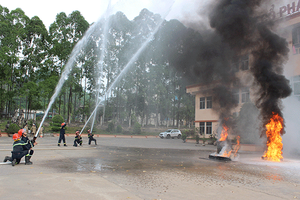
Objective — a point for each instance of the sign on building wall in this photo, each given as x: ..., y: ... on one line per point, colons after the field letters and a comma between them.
x: 289, y: 9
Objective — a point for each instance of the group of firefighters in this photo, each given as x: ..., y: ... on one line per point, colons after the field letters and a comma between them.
x: 22, y: 145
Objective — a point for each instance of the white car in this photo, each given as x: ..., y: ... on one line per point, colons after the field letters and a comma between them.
x: 170, y: 133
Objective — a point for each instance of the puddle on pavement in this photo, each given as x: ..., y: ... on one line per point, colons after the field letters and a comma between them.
x: 139, y: 160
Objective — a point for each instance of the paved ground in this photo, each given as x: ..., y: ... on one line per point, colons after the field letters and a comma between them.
x: 144, y: 168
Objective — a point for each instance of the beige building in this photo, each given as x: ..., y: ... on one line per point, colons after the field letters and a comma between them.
x: 288, y: 19
x: 289, y: 28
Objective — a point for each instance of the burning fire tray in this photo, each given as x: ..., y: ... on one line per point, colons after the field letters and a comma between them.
x: 219, y: 158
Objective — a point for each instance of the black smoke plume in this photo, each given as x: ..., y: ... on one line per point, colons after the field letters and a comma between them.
x: 240, y: 27
x: 267, y: 70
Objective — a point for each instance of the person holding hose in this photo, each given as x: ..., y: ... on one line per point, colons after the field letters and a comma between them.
x: 78, y: 139
x: 91, y: 137
x: 29, y: 145
x: 18, y: 152
x: 62, y: 134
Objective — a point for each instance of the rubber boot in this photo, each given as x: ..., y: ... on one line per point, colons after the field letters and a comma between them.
x: 7, y: 158
x: 27, y: 160
x: 58, y: 144
x: 13, y: 162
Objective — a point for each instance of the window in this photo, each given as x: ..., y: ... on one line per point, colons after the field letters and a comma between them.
x: 296, y: 85
x: 245, y: 63
x: 209, y: 102
x: 236, y: 95
x: 235, y: 65
x: 208, y: 127
x: 296, y: 40
x: 202, y: 127
x: 297, y: 88
x: 245, y: 95
x: 296, y: 78
x: 235, y: 114
x: 202, y: 103
x: 296, y: 36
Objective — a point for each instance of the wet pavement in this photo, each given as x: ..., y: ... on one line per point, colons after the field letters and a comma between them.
x: 144, y: 168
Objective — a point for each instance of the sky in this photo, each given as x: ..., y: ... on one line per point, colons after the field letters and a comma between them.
x: 92, y: 10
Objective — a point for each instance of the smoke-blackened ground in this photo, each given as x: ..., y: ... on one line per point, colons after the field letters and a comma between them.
x: 144, y: 168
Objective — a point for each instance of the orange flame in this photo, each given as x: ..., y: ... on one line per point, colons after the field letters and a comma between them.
x: 274, y: 144
x: 235, y: 150
x: 237, y: 146
x: 226, y: 154
x: 224, y: 133
x: 223, y: 137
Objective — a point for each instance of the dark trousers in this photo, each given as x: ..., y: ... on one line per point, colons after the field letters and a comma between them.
x: 77, y: 142
x: 19, y: 155
x: 62, y: 137
x: 92, y: 139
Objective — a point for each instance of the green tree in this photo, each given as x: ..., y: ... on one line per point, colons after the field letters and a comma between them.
x: 7, y: 58
x: 57, y: 120
x: 137, y: 128
x: 34, y: 54
x: 12, y: 31
x: 13, y: 128
x: 119, y: 129
x: 65, y: 32
x: 111, y: 127
x: 61, y: 44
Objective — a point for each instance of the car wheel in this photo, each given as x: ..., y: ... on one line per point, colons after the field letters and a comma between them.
x: 178, y: 136
x: 162, y: 137
x: 168, y: 136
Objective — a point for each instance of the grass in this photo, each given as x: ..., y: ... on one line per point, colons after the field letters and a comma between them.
x: 73, y: 129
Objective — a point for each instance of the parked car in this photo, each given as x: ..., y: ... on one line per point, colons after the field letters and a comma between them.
x: 170, y: 133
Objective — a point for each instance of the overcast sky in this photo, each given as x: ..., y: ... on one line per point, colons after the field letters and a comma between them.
x: 92, y: 10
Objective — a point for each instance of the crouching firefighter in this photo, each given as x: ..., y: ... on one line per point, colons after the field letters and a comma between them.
x: 91, y: 137
x: 78, y: 139
x: 29, y: 145
x: 19, y: 150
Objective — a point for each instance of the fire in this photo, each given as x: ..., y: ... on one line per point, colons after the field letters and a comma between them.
x: 224, y: 133
x: 234, y: 151
x: 226, y: 154
x: 227, y: 149
x: 274, y: 144
x: 237, y: 146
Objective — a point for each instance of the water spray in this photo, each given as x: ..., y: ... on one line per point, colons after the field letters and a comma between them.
x: 81, y: 44
x: 133, y: 59
x: 102, y: 55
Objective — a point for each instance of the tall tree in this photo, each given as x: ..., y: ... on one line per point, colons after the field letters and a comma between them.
x: 34, y: 51
x: 13, y: 24
x: 65, y: 32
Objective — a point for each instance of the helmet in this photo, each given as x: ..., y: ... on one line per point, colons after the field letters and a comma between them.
x: 20, y: 132
x: 16, y: 136
x: 63, y: 123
